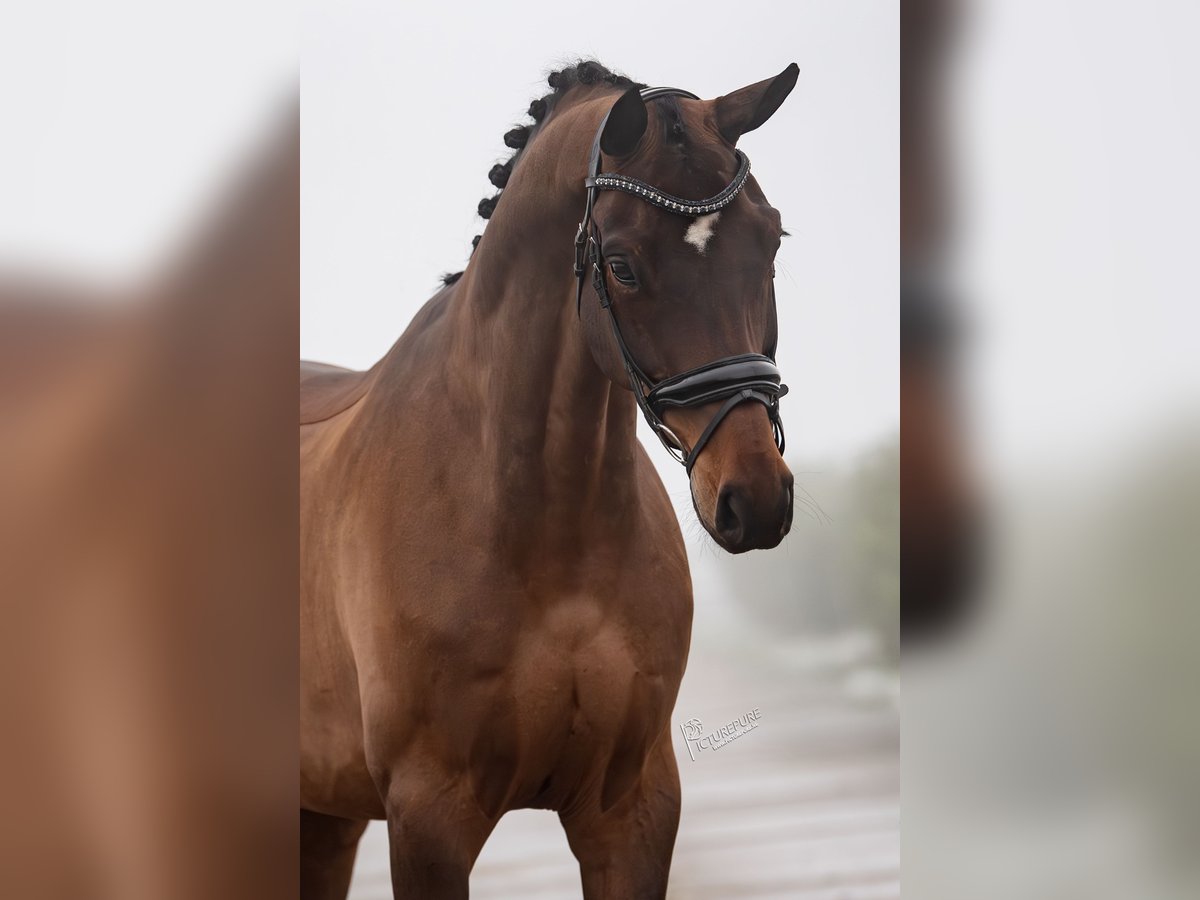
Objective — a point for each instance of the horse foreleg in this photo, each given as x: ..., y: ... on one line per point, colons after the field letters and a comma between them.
x: 625, y: 852
x: 327, y: 848
x: 435, y: 834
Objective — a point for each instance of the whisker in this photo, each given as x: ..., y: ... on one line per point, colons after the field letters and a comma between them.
x: 783, y: 267
x: 810, y: 501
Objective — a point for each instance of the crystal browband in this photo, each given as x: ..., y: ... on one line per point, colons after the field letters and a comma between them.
x: 609, y: 182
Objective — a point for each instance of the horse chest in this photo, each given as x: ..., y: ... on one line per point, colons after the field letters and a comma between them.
x: 547, y: 686
x: 589, y: 695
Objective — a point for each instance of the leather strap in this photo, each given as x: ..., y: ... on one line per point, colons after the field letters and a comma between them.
x: 721, y: 377
x: 726, y: 408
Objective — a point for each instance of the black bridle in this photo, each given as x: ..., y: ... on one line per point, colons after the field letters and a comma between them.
x: 734, y: 379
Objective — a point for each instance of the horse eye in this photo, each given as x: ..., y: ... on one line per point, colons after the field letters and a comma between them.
x: 622, y: 272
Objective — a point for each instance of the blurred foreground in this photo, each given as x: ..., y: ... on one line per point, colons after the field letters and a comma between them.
x: 148, y: 563
x: 1051, y: 749
x: 1051, y: 730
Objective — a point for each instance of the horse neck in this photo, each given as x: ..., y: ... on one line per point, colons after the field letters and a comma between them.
x: 552, y: 424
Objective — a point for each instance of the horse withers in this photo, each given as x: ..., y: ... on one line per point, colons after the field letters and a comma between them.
x: 495, y: 600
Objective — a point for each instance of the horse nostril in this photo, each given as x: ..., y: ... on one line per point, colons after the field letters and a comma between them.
x: 748, y: 520
x: 731, y: 514
x: 789, y: 497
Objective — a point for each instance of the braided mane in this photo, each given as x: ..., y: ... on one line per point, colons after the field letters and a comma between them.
x: 585, y: 72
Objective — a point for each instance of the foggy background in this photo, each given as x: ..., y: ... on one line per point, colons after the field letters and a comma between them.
x: 147, y: 685
x: 1051, y: 740
x: 148, y: 766
x: 404, y: 110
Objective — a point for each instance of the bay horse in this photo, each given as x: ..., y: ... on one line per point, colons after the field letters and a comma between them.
x: 495, y: 603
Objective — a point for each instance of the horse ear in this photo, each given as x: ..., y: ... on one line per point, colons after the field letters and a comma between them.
x: 625, y: 125
x: 746, y: 109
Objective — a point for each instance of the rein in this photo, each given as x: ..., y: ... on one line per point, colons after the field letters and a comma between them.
x: 734, y: 379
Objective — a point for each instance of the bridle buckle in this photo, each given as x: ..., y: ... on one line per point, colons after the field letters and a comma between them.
x: 670, y: 440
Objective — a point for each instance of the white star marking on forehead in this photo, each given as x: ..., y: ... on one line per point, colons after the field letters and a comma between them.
x: 700, y: 232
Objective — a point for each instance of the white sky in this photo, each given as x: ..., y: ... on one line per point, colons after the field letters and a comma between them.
x: 130, y: 112
x: 404, y: 106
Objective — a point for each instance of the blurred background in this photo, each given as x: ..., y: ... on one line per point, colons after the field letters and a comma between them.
x: 1051, y: 455
x: 149, y: 273
x: 404, y: 110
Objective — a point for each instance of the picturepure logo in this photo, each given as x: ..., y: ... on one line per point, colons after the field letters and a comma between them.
x: 697, y: 741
